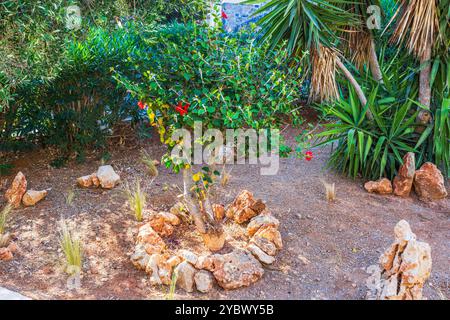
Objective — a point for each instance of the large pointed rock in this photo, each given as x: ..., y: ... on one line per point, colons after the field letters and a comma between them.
x: 18, y: 188
x: 429, y: 183
x: 404, y: 267
x: 404, y: 180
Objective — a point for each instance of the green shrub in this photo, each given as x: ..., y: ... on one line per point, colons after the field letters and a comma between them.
x: 55, y: 84
x: 78, y: 107
x: 228, y: 81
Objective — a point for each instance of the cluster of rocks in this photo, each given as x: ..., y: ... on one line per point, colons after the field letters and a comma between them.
x: 404, y: 267
x: 7, y: 247
x: 428, y: 181
x: 18, y: 193
x: 105, y: 177
x: 238, y: 268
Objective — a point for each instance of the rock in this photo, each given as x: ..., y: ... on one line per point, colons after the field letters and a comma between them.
x: 265, y: 245
x: 262, y: 220
x: 150, y: 239
x: 405, y: 266
x: 160, y: 225
x: 153, y: 270
x: 5, y: 254
x: 244, y: 215
x: 95, y: 180
x: 188, y: 256
x: 108, y: 177
x: 382, y: 186
x: 85, y: 181
x: 236, y: 269
x: 185, y: 276
x: 205, y: 262
x: 429, y: 183
x: 219, y: 211
x: 18, y: 188
x: 403, y: 232
x: 245, y: 207
x: 166, y: 267
x: 271, y: 234
x: 204, y: 281
x: 260, y: 254
x: 31, y: 197
x: 404, y: 180
x: 140, y: 257
x: 170, y: 218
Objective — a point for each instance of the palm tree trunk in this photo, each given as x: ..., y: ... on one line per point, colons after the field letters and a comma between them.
x: 356, y: 86
x: 424, y: 116
x: 374, y: 64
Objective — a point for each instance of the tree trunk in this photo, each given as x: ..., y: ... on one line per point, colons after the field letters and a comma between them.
x: 374, y: 63
x: 355, y: 84
x: 424, y: 116
x: 192, y: 207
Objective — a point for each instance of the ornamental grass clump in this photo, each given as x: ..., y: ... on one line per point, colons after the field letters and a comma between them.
x: 72, y: 247
x: 136, y: 200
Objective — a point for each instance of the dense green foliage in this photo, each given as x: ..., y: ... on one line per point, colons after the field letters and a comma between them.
x: 55, y: 83
x: 68, y: 88
x: 227, y: 80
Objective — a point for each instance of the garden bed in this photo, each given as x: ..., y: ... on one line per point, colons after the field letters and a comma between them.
x: 327, y: 246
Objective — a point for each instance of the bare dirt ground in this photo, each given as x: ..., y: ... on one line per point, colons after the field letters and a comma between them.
x: 339, y: 240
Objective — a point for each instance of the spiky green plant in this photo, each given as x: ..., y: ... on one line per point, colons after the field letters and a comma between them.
x: 172, y: 287
x: 136, y: 199
x: 370, y: 148
x: 72, y: 248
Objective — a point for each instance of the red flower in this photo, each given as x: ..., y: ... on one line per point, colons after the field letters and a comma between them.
x: 224, y: 15
x: 182, y: 110
x: 141, y: 105
x: 308, y: 155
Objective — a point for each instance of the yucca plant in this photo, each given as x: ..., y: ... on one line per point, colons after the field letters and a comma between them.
x: 72, y: 248
x: 136, y: 200
x: 370, y: 148
x: 423, y: 27
x: 306, y: 25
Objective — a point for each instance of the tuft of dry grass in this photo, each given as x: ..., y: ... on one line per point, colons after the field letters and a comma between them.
x: 149, y: 163
x: 323, y: 79
x: 137, y: 200
x: 4, y: 216
x: 70, y: 196
x: 225, y: 177
x: 330, y: 191
x: 72, y: 248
